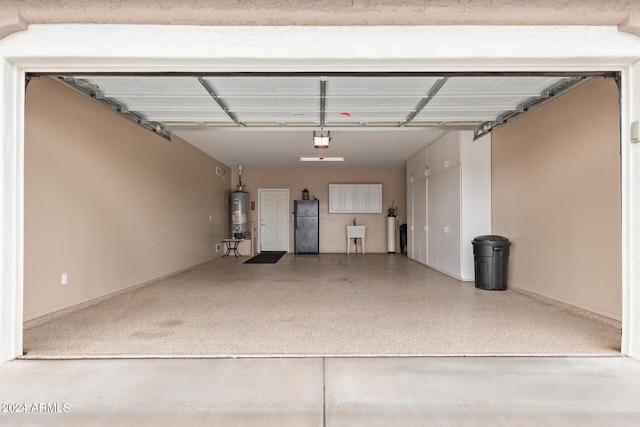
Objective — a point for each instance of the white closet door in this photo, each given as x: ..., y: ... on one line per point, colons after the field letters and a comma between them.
x: 452, y: 220
x: 424, y: 254
x: 410, y: 222
x: 420, y: 221
x: 436, y: 222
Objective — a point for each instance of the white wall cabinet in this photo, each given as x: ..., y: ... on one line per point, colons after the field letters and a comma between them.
x: 374, y: 201
x: 417, y: 167
x: 362, y: 198
x: 451, y: 205
x: 348, y: 198
x: 444, y: 153
x: 355, y: 198
x: 335, y: 198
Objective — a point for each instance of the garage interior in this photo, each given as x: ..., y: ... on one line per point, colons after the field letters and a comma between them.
x: 121, y: 211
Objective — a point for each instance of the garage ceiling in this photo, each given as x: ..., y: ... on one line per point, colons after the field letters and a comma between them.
x: 266, y: 120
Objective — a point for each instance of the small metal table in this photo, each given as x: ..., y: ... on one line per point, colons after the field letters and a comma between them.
x: 232, y: 246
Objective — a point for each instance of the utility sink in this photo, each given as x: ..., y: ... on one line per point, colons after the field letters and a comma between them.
x: 355, y: 231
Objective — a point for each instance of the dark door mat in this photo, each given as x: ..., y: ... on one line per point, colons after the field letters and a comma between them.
x: 266, y: 258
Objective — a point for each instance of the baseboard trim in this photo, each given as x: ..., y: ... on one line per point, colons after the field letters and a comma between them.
x: 571, y: 308
x: 80, y: 306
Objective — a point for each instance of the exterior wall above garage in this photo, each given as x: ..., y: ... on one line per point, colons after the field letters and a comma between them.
x: 19, y: 14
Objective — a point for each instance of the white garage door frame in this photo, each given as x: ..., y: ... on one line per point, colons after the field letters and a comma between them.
x: 152, y: 48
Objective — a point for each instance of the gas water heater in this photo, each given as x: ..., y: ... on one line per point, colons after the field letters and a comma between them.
x: 239, y: 209
x: 239, y: 213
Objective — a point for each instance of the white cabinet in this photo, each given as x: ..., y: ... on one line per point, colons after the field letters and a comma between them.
x: 342, y: 198
x: 453, y: 205
x: 348, y: 198
x: 374, y: 201
x: 417, y: 172
x: 411, y: 169
x: 355, y: 198
x: 444, y: 153
x: 444, y: 221
x: 420, y: 216
x: 410, y: 246
x: 335, y: 198
x: 362, y: 198
x: 417, y: 167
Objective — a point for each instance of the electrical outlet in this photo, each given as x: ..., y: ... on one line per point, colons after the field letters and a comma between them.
x: 63, y: 279
x: 218, y: 247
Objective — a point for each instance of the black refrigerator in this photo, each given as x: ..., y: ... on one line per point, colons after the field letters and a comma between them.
x: 307, y: 226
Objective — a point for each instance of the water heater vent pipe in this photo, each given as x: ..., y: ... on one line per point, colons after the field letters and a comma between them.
x: 240, y: 177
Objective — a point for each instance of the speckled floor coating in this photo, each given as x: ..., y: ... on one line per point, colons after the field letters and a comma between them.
x: 327, y: 305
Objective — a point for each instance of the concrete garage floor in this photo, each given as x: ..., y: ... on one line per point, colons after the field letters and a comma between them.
x: 443, y: 391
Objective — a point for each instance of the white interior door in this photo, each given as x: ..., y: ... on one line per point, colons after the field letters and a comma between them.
x: 274, y: 219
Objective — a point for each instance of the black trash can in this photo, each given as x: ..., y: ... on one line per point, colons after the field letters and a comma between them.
x: 403, y: 239
x: 491, y: 259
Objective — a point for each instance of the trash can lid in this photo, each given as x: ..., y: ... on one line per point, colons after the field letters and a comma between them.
x: 490, y: 238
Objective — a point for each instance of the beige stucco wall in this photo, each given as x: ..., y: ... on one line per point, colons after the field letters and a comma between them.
x: 109, y: 203
x: 18, y: 14
x: 333, y: 226
x: 556, y: 196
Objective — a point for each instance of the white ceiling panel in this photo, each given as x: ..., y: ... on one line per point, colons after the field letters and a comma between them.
x: 377, y: 86
x: 484, y: 102
x: 265, y: 86
x: 116, y: 86
x: 156, y: 103
x: 372, y: 103
x: 186, y: 116
x: 275, y: 116
x: 284, y: 104
x: 366, y: 116
x: 456, y: 115
x: 518, y: 86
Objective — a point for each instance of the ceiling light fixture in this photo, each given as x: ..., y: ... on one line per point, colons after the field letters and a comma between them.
x: 322, y: 159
